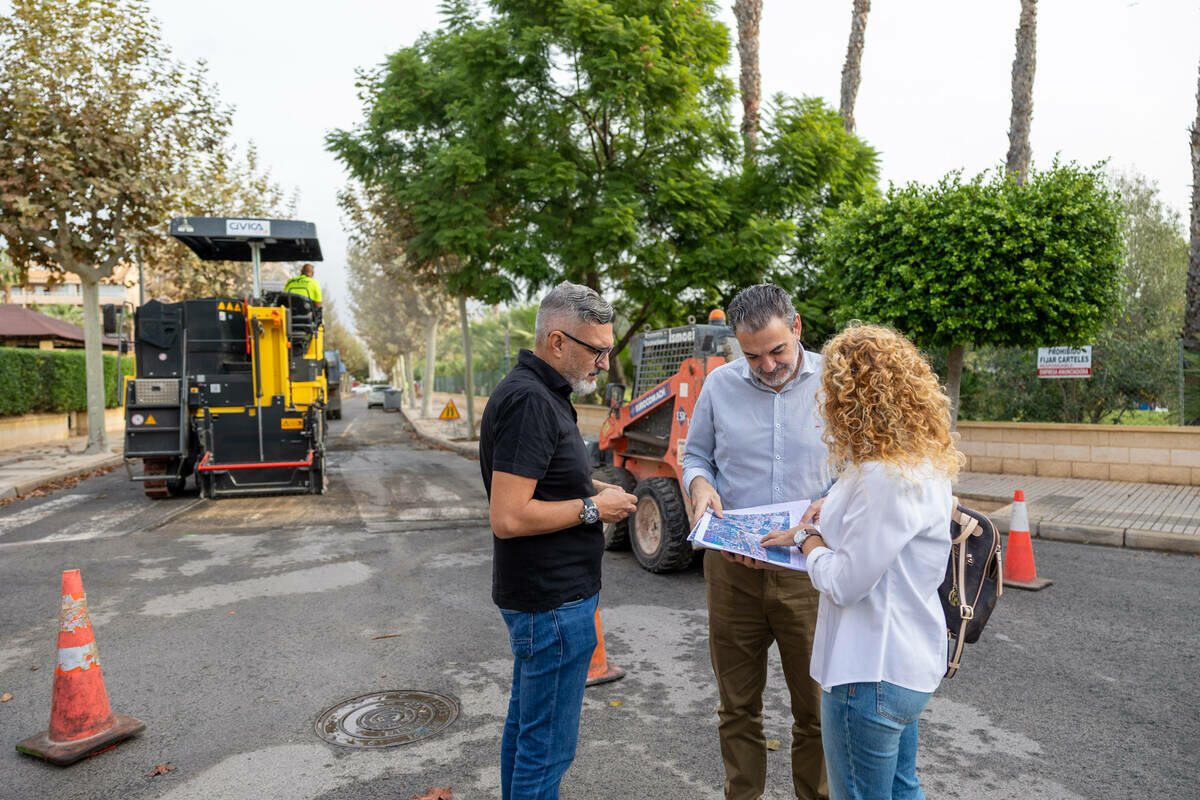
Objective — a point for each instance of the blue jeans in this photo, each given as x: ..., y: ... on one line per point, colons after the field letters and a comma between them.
x: 552, y: 651
x: 869, y: 731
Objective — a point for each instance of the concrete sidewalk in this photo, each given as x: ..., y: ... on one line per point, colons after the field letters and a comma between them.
x: 25, y: 469
x: 1147, y: 516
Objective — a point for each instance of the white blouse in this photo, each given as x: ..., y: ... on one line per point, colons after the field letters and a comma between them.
x: 880, y: 618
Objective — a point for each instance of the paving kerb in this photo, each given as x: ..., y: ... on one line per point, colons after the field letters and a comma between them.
x: 1132, y: 538
x: 420, y: 427
x: 1081, y: 533
x: 1159, y: 540
x: 24, y: 487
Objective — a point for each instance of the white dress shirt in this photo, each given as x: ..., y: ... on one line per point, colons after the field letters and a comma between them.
x: 880, y: 618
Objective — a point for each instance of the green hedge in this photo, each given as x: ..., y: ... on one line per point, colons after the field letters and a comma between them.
x: 52, y: 381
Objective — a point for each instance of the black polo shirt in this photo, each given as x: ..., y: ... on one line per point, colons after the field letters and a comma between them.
x: 529, y: 429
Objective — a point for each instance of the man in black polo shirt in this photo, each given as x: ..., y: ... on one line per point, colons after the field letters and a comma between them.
x: 547, y: 515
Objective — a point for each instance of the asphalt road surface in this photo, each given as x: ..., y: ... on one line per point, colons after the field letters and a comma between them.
x: 230, y: 626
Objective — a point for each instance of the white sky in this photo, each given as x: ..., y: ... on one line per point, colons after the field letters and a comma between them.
x: 1116, y: 80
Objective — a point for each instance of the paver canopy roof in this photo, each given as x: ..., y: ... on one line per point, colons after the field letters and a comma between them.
x: 229, y: 238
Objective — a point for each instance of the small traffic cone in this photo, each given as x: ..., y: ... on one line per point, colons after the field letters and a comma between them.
x: 1019, y: 568
x: 600, y: 671
x: 81, y: 721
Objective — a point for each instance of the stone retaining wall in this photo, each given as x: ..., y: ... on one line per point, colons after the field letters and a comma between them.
x: 35, y: 429
x: 1137, y: 453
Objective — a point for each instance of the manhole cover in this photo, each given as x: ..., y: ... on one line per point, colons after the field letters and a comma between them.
x: 386, y: 719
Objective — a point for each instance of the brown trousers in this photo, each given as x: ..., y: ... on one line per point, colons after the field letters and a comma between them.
x: 747, y: 610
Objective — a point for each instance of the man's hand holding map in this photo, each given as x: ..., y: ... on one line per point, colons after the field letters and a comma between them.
x: 739, y: 530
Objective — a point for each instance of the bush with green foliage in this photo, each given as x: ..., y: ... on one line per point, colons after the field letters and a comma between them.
x: 984, y: 262
x: 52, y: 381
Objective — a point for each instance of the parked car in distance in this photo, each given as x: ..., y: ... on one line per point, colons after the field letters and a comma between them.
x: 359, y: 388
x: 375, y: 395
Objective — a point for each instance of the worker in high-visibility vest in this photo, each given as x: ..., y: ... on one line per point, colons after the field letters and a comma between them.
x: 305, y: 284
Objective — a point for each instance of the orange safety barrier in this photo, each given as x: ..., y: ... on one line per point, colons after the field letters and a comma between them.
x: 81, y: 721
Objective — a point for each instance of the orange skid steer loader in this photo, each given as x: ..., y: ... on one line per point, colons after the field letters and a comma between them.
x: 646, y: 437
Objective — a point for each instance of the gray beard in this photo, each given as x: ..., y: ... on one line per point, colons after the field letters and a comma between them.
x: 582, y: 386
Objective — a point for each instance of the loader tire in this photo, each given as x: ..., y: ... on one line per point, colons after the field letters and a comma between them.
x: 658, y: 529
x: 616, y: 534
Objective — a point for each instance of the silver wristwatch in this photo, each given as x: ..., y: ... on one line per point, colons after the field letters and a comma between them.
x: 803, y: 534
x: 590, y: 513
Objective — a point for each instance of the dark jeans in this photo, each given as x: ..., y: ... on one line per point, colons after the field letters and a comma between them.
x: 552, y: 651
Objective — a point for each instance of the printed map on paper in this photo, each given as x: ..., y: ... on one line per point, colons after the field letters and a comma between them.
x: 740, y: 531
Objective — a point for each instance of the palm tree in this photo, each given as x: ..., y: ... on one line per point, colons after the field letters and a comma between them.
x: 1191, y: 317
x: 851, y: 71
x: 1019, y: 153
x: 748, y: 14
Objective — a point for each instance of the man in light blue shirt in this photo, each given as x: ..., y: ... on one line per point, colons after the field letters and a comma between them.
x: 755, y: 439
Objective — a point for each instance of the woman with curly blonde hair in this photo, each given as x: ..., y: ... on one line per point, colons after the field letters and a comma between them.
x: 878, y: 558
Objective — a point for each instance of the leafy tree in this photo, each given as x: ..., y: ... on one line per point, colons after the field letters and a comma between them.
x: 852, y: 69
x: 95, y: 121
x: 10, y: 275
x: 64, y: 311
x: 398, y: 307
x: 339, y: 337
x: 224, y: 183
x: 982, y: 262
x: 1133, y: 357
x: 488, y: 332
x: 1154, y: 270
x: 593, y: 142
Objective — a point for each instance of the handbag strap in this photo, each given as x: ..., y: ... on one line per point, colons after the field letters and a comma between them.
x: 967, y: 525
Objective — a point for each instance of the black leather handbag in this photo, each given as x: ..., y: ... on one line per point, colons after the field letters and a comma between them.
x: 974, y: 580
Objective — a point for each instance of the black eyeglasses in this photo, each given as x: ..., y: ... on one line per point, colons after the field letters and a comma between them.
x: 600, y: 352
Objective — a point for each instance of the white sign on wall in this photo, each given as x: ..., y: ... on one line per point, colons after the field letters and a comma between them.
x: 1065, y: 362
x: 247, y: 227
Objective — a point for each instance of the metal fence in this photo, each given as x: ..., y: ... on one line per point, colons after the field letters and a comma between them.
x: 485, y: 382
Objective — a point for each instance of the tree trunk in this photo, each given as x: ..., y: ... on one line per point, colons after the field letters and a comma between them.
x: 852, y: 70
x: 427, y: 378
x: 1019, y: 152
x: 410, y: 387
x: 94, y: 366
x: 469, y: 366
x: 1191, y: 317
x: 748, y: 14
x: 954, y: 362
x: 397, y: 372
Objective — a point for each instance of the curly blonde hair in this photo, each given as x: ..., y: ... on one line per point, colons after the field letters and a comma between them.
x: 882, y: 402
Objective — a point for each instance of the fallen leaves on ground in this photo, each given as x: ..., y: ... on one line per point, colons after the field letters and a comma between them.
x: 614, y: 703
x: 773, y: 744
x: 54, y: 486
x: 160, y: 769
x: 435, y: 793
x: 4, y: 698
x: 386, y: 636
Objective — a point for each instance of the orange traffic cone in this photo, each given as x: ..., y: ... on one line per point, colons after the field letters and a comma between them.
x: 600, y: 671
x: 1019, y: 569
x: 81, y: 721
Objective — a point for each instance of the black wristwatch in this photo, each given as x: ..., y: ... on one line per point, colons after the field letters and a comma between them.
x: 590, y: 513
